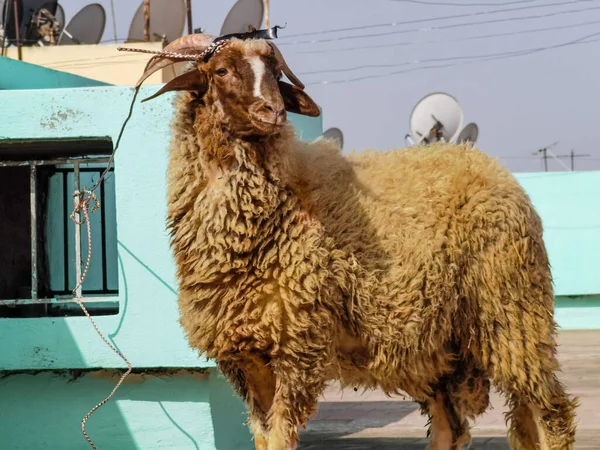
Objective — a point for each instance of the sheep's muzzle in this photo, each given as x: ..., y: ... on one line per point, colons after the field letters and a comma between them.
x: 268, y: 114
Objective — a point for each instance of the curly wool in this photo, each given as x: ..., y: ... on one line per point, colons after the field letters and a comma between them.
x: 379, y: 269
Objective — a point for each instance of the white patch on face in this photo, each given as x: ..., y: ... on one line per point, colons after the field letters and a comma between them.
x: 258, y: 67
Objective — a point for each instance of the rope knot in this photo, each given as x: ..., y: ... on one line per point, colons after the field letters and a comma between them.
x: 81, y: 204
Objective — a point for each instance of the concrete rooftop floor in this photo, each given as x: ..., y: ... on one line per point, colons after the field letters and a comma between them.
x: 371, y: 421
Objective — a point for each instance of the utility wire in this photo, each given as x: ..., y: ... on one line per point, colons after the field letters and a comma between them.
x: 444, y: 27
x: 124, y: 57
x: 422, y: 2
x: 114, y: 18
x: 416, y: 61
x: 463, y: 39
x: 127, y: 58
x: 431, y: 19
x: 484, y: 58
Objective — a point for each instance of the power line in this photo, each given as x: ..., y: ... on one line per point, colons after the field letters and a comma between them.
x: 463, y: 39
x: 444, y: 27
x: 422, y: 2
x: 122, y: 57
x: 126, y: 58
x: 482, y: 58
x: 545, y: 151
x: 431, y: 19
x: 537, y: 158
x: 417, y: 61
x: 114, y: 18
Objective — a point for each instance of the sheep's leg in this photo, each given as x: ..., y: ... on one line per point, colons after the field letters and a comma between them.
x: 542, y: 420
x: 508, y: 286
x: 294, y: 402
x: 291, y: 408
x: 449, y: 429
x: 460, y: 395
x: 261, y: 441
x: 542, y: 415
x: 255, y: 384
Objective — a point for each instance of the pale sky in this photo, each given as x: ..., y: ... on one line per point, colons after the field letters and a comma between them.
x: 467, y: 48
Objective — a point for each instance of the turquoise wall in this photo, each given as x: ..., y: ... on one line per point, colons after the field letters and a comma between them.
x: 15, y: 74
x: 187, y: 411
x: 568, y: 205
x: 181, y: 410
x: 147, y: 294
x: 167, y: 412
x: 578, y: 313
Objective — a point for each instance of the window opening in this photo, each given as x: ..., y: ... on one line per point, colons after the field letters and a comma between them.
x: 42, y: 251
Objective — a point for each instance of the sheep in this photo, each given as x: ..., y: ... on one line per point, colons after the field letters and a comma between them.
x: 420, y: 271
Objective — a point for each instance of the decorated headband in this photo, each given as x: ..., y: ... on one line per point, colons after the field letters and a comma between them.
x: 217, y: 44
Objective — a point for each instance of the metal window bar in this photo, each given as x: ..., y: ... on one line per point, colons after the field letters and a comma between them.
x: 33, y: 165
x: 77, y: 232
x: 33, y: 225
x: 66, y: 212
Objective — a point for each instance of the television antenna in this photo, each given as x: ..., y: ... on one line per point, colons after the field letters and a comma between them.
x: 436, y: 117
x: 469, y: 133
x: 167, y: 21
x: 335, y: 133
x: 86, y: 27
x: 243, y: 15
x: 544, y: 152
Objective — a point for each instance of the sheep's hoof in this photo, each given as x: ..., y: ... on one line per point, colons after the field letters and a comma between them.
x: 260, y: 443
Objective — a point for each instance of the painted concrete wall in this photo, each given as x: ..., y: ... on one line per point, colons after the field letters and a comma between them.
x: 568, y: 205
x: 147, y: 294
x: 182, y: 411
x: 98, y: 62
x: 170, y: 412
x: 185, y: 412
x: 15, y: 74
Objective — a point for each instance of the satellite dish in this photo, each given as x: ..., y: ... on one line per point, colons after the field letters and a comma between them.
x: 61, y: 21
x: 86, y: 27
x: 167, y: 19
x: 242, y: 15
x: 26, y: 10
x: 436, y: 117
x: 1, y: 26
x: 468, y: 134
x: 335, y: 133
x: 3, y: 18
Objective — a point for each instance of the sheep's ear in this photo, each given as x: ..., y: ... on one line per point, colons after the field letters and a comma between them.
x: 194, y: 80
x: 297, y: 101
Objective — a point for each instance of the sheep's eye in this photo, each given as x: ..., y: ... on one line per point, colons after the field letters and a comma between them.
x: 221, y: 72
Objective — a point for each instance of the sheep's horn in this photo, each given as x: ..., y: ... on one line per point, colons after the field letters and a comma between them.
x: 192, y: 44
x: 285, y: 68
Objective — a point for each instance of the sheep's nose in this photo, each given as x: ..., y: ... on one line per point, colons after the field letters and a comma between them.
x: 277, y: 111
x: 271, y: 112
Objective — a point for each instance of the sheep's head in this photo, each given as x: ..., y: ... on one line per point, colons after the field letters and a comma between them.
x: 239, y: 79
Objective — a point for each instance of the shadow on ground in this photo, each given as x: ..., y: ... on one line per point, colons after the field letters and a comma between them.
x: 348, y: 417
x: 336, y: 443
